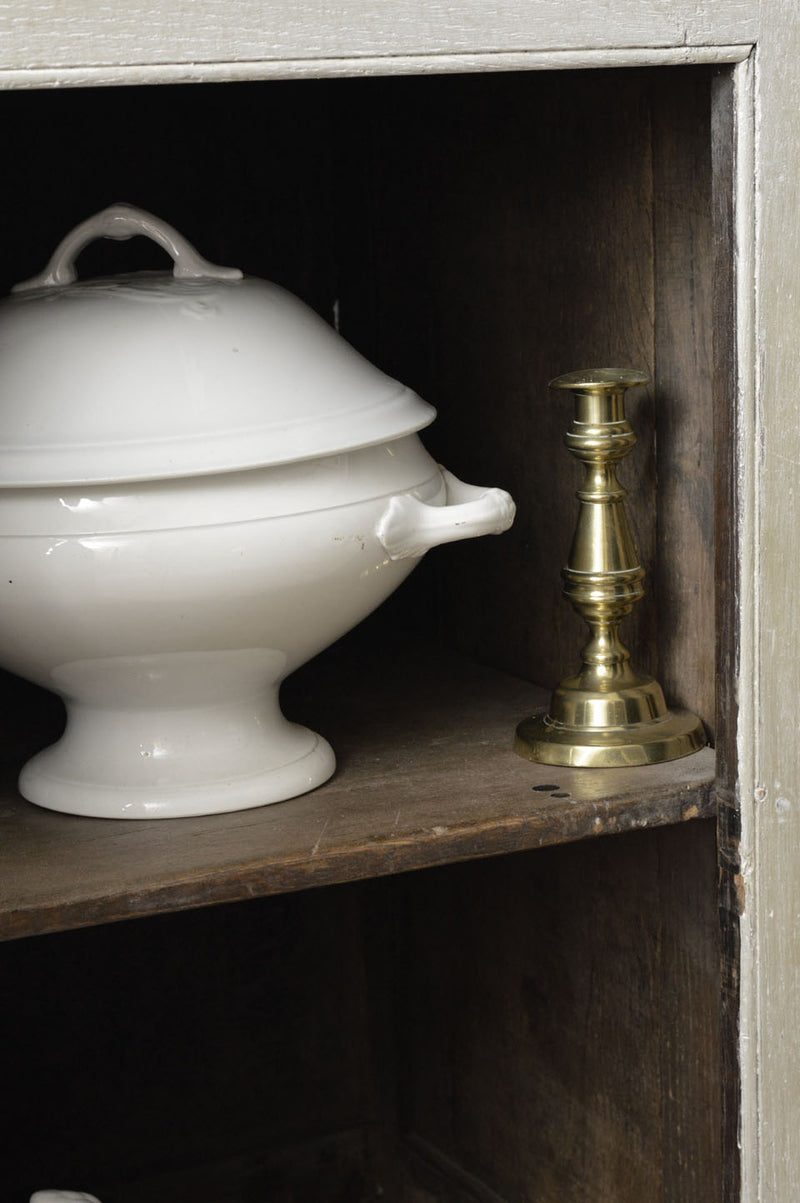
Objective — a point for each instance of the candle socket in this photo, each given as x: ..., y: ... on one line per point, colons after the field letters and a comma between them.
x: 607, y: 715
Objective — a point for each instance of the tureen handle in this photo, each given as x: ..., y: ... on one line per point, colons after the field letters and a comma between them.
x: 410, y: 527
x: 121, y: 222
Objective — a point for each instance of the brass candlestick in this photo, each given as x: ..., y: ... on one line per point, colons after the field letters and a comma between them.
x: 608, y: 714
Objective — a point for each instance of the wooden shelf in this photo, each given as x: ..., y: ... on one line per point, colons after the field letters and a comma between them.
x: 426, y: 776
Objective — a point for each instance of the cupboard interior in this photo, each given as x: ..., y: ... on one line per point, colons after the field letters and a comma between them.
x: 529, y: 1027
x: 516, y: 1028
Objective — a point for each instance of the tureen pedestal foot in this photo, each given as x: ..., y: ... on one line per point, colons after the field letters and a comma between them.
x: 179, y: 752
x: 42, y: 782
x: 70, y: 776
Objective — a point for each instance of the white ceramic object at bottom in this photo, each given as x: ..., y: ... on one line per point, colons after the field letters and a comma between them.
x: 63, y: 1196
x: 167, y: 614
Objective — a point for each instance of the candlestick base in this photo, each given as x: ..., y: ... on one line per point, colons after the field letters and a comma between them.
x: 590, y: 728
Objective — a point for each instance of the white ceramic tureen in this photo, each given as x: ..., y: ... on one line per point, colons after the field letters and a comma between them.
x: 203, y: 486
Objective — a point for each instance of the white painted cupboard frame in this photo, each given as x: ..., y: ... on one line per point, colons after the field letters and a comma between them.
x: 58, y: 43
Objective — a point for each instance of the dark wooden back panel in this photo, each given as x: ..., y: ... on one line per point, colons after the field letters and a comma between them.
x: 515, y: 227
x: 560, y: 1015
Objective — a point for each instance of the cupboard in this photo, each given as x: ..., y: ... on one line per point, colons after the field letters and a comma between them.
x: 448, y: 974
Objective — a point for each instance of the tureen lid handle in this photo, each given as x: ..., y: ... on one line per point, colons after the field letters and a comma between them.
x: 121, y: 222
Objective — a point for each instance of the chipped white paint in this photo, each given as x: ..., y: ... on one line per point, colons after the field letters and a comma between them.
x: 771, y: 971
x: 37, y: 34
x: 411, y: 64
x: 753, y: 795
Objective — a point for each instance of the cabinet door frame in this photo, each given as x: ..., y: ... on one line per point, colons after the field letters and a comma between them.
x: 768, y: 188
x: 273, y: 36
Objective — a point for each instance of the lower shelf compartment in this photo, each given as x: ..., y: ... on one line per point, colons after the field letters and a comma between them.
x: 426, y: 776
x: 543, y: 1026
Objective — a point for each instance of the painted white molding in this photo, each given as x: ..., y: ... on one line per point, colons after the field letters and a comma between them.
x: 747, y: 467
x: 37, y: 34
x: 390, y: 64
x: 770, y: 799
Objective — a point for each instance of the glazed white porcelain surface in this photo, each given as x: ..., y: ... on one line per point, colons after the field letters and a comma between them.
x: 155, y: 375
x: 167, y: 612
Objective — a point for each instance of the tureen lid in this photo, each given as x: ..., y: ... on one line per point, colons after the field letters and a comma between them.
x: 151, y: 375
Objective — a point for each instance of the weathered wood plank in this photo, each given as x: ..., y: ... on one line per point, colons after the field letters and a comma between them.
x: 481, y: 294
x: 552, y: 1051
x: 684, y: 580
x: 729, y: 592
x: 426, y: 776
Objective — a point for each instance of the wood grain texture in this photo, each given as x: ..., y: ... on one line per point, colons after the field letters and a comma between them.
x: 492, y: 1032
x: 479, y: 295
x: 426, y: 775
x: 80, y: 33
x: 729, y: 593
x: 684, y: 580
x: 548, y: 1045
x: 483, y: 294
